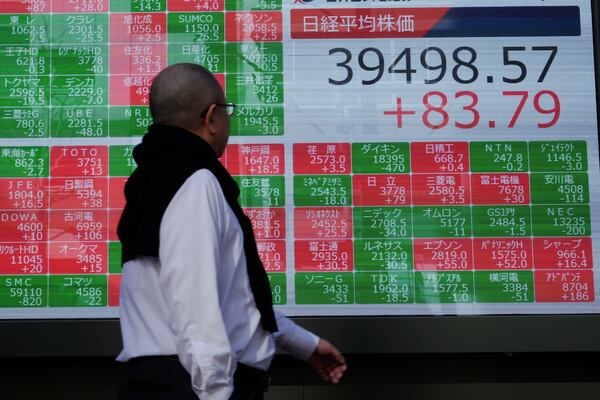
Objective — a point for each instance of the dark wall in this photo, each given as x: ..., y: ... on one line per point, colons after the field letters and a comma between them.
x: 546, y: 376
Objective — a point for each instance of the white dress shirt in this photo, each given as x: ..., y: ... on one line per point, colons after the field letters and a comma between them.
x: 195, y: 300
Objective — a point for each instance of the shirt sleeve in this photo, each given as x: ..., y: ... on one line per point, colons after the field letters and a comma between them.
x: 189, y: 254
x: 294, y: 339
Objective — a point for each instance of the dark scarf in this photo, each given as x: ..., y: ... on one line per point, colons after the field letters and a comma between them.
x: 166, y: 158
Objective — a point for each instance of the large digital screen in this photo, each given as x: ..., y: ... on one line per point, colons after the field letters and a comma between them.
x: 395, y: 157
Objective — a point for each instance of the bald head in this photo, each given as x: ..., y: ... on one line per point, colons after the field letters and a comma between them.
x: 181, y: 92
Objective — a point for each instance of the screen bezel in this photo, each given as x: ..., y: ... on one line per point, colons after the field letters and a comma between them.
x: 363, y: 334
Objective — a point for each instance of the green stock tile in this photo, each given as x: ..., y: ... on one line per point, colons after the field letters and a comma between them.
x: 260, y: 88
x: 254, y: 57
x: 261, y: 191
x: 138, y: 5
x: 120, y: 160
x: 444, y: 287
x: 383, y: 255
x: 80, y: 59
x: 24, y: 122
x: 78, y: 290
x: 114, y: 258
x: 24, y: 60
x: 24, y: 29
x: 504, y: 287
x: 79, y: 28
x: 501, y: 221
x: 277, y: 281
x: 380, y: 158
x: 498, y: 156
x: 24, y: 162
x: 382, y: 222
x: 431, y: 222
x: 253, y: 5
x: 559, y: 156
x: 195, y: 27
x: 210, y: 55
x: 86, y: 122
x: 129, y: 121
x: 561, y: 220
x: 384, y: 287
x: 324, y: 288
x: 80, y: 90
x: 257, y: 120
x: 322, y: 190
x: 556, y: 188
x: 24, y: 91
x: 23, y: 291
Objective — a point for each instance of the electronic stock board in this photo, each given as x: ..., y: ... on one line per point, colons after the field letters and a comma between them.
x: 395, y: 157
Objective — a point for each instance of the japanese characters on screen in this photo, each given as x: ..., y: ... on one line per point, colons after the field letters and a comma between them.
x: 395, y: 157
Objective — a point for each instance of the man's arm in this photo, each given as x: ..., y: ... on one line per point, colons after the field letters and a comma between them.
x: 189, y: 254
x: 321, y: 355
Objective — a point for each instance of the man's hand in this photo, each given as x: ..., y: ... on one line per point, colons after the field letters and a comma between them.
x: 328, y: 362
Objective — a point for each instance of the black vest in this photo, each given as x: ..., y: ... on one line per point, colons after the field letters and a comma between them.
x: 166, y: 158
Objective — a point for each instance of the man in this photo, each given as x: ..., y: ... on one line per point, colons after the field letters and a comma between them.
x: 196, y: 312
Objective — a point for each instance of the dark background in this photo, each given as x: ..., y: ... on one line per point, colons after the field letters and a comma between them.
x: 529, y: 376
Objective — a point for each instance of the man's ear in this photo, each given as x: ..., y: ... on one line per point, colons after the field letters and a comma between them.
x: 209, y: 123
